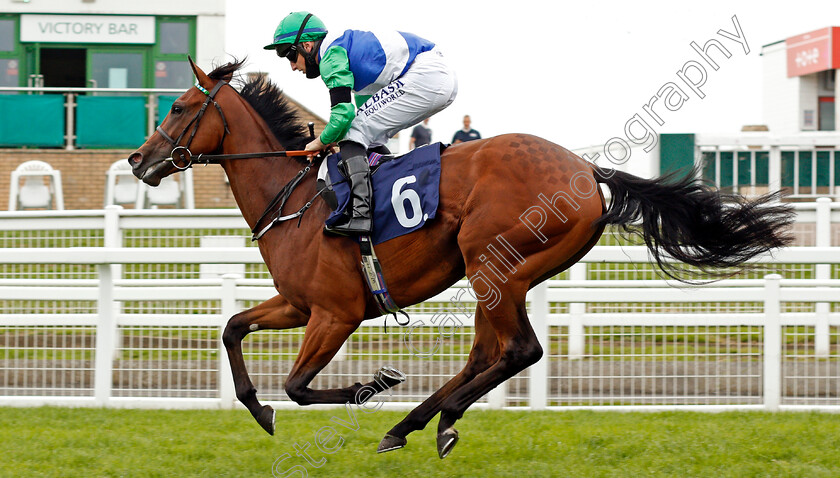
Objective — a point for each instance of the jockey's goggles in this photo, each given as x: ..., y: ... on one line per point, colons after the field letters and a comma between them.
x: 290, y: 53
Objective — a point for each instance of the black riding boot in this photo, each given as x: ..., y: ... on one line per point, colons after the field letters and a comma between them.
x: 357, y: 218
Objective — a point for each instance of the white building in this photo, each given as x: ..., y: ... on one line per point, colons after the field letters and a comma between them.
x: 108, y: 43
x: 796, y: 150
x: 800, y: 84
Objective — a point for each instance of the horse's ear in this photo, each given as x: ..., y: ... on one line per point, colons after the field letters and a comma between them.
x: 202, y: 77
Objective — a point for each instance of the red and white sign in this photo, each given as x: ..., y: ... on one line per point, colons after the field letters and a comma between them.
x: 812, y: 52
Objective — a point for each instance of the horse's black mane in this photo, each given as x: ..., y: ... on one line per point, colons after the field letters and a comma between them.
x: 270, y: 103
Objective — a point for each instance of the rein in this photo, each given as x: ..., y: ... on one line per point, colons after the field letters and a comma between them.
x: 182, y: 158
x: 281, y: 198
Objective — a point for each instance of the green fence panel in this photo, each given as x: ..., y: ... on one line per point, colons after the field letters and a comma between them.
x: 708, y: 162
x: 744, y: 169
x: 164, y: 105
x: 762, y: 168
x: 823, y: 168
x: 726, y: 172
x: 110, y: 121
x: 676, y: 153
x: 805, y: 173
x: 32, y: 120
x: 836, y: 168
x: 788, y: 158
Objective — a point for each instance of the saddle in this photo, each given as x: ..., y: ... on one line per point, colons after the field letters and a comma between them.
x: 405, y: 190
x: 323, y: 184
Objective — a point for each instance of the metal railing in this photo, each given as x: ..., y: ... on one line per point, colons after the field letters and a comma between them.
x: 71, y: 93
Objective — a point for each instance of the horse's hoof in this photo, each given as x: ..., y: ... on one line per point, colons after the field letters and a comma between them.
x: 390, y: 443
x: 266, y: 419
x: 446, y: 442
x: 389, y: 376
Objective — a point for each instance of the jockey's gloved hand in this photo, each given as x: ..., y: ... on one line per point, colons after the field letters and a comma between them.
x: 315, y: 145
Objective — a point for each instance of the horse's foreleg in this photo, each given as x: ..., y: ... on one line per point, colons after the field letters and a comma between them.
x: 485, y: 352
x: 324, y: 336
x: 275, y: 313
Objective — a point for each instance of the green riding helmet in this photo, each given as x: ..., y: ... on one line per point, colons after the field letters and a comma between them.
x: 295, y: 28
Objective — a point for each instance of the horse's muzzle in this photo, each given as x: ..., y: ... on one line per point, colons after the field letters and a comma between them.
x: 136, y: 161
x: 150, y: 172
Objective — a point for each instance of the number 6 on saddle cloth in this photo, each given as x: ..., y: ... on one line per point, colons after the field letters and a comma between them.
x: 405, y: 190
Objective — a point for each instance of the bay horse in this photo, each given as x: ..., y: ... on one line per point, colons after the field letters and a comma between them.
x: 538, y: 203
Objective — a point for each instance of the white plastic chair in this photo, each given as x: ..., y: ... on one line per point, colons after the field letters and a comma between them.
x: 35, y: 193
x: 120, y: 184
x: 168, y: 193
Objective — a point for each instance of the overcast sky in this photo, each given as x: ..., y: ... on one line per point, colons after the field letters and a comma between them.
x: 571, y: 72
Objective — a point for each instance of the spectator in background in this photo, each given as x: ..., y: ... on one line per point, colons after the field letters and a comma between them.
x: 466, y: 134
x: 420, y: 135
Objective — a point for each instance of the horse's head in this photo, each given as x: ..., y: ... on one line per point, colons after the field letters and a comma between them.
x: 195, y: 125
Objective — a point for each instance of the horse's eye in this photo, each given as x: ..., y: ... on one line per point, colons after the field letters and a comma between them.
x: 177, y: 109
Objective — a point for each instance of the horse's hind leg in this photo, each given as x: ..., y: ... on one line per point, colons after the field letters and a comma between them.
x: 485, y: 352
x: 275, y: 313
x: 519, y: 349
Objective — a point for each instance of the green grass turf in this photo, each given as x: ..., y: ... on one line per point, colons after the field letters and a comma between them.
x: 103, y: 442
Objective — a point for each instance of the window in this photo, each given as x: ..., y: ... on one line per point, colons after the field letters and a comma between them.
x: 10, y: 57
x: 174, y: 38
x: 9, y: 72
x: 7, y: 35
x: 117, y: 70
x: 826, y: 113
x: 173, y: 74
x: 827, y: 79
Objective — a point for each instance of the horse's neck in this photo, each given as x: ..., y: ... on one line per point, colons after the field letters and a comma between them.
x: 255, y: 182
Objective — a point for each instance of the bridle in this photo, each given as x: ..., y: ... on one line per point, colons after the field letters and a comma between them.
x: 181, y: 157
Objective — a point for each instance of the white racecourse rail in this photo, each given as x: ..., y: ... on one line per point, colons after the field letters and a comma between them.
x: 85, y: 320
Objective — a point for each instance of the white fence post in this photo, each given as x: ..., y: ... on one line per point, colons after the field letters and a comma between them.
x: 106, y: 329
x: 577, y: 344
x: 772, y: 343
x: 823, y: 272
x: 497, y: 398
x: 227, y: 392
x: 538, y: 381
x: 112, y: 236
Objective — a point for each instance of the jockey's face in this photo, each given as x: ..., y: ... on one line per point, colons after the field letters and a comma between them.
x: 300, y: 64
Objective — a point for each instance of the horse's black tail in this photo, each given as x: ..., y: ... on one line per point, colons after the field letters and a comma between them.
x: 693, y: 222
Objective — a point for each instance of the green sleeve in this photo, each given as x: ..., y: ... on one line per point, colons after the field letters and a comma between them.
x: 335, y: 71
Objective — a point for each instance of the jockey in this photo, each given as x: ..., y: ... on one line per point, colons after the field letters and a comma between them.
x: 398, y: 80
